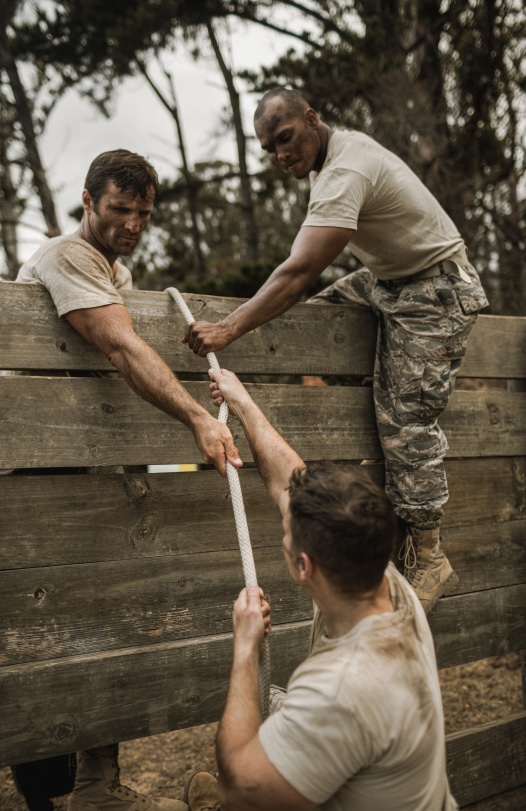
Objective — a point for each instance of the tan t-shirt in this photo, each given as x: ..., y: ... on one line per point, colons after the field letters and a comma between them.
x: 76, y: 274
x: 361, y: 726
x: 400, y: 228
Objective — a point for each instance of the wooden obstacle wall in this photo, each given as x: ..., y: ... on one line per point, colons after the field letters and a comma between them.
x: 117, y: 589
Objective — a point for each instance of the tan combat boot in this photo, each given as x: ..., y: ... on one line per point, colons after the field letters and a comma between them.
x: 426, y: 567
x: 98, y: 787
x: 200, y: 792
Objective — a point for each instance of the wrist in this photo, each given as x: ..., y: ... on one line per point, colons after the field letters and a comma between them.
x: 197, y: 417
x: 246, y: 651
x: 233, y: 325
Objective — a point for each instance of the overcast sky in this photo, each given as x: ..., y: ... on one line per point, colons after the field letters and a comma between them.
x: 77, y: 132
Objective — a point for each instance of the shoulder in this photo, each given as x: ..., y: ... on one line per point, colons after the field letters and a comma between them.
x: 122, y: 279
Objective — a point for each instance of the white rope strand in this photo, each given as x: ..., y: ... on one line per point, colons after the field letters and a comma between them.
x: 240, y: 517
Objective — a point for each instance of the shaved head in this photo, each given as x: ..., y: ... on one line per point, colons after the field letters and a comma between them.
x: 294, y: 103
x: 291, y: 132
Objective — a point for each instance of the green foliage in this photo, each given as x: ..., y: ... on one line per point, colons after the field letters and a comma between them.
x: 440, y: 83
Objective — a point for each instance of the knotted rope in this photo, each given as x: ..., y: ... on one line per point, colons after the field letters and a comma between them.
x: 240, y: 518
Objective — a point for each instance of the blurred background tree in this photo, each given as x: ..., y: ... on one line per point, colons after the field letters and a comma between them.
x: 439, y: 82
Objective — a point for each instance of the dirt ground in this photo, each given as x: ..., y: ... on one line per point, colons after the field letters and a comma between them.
x: 157, y: 766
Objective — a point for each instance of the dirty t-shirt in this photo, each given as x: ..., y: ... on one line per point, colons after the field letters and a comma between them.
x: 77, y: 277
x: 400, y: 228
x: 76, y: 274
x: 361, y: 726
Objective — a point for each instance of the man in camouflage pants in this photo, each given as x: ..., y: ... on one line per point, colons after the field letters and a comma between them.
x: 416, y: 277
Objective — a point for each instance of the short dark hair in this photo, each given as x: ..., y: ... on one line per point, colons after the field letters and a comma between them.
x: 294, y: 101
x: 129, y: 172
x: 344, y: 522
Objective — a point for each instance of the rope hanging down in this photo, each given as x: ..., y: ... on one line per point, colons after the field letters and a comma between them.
x: 240, y: 518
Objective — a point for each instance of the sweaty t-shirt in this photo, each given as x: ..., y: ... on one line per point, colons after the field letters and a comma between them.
x: 400, y: 228
x: 76, y: 274
x: 361, y: 726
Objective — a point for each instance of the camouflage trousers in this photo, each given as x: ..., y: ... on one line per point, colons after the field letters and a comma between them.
x: 423, y: 328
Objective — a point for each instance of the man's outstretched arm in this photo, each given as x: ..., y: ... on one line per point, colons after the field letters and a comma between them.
x: 248, y: 781
x: 274, y: 458
x: 314, y: 248
x: 110, y: 329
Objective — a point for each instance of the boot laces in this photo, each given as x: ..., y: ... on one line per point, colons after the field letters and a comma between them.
x: 118, y: 788
x: 407, y: 553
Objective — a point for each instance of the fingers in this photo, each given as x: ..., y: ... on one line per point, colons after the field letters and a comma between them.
x: 193, y: 338
x: 256, y: 602
x: 204, y: 337
x: 232, y: 454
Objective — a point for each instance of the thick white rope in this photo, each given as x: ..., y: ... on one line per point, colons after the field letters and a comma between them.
x: 240, y: 517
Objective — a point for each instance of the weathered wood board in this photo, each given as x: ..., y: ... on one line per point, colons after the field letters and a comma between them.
x: 117, y: 589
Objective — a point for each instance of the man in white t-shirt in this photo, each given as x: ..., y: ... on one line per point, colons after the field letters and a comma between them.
x: 416, y: 278
x: 84, y: 276
x: 361, y: 724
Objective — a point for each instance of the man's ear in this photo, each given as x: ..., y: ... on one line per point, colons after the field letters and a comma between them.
x: 87, y: 201
x: 311, y: 117
x: 305, y: 566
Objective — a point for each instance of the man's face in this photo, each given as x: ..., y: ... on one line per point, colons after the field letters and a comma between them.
x: 292, y: 141
x: 117, y: 220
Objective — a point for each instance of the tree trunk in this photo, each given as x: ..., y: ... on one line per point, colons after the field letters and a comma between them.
x: 23, y: 108
x: 247, y: 203
x: 9, y: 204
x: 191, y: 192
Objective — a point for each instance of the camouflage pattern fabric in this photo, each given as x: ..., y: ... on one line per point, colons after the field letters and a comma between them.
x: 423, y: 328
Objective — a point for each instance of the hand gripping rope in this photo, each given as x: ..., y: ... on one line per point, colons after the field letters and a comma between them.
x: 247, y: 557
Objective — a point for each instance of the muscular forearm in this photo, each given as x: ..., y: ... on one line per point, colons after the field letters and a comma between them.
x: 242, y: 714
x: 314, y: 248
x: 274, y: 458
x: 284, y: 288
x: 149, y: 376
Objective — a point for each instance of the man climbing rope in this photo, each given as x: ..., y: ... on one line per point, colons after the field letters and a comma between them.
x: 417, y: 279
x: 361, y: 726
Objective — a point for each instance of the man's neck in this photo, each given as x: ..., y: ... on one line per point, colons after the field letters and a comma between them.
x: 341, y: 614
x: 324, y: 133
x: 84, y: 232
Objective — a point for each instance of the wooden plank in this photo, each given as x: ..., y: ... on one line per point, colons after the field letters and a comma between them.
x: 469, y: 627
x: 487, y: 760
x: 514, y: 800
x: 496, y: 348
x: 486, y: 423
x: 309, y: 339
x: 487, y: 555
x: 66, y: 610
x: 75, y: 703
x: 56, y: 520
x: 482, y: 491
x: 301, y: 341
x: 64, y: 422
x: 62, y: 611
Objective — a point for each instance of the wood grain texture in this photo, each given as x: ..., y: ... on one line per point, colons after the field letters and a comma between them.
x: 67, y: 422
x: 84, y: 701
x: 62, y: 611
x: 117, y: 589
x: 309, y: 339
x: 514, y: 800
x: 56, y: 520
x: 488, y: 760
x: 469, y: 627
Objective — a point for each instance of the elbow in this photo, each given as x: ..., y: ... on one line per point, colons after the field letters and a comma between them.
x: 237, y: 795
